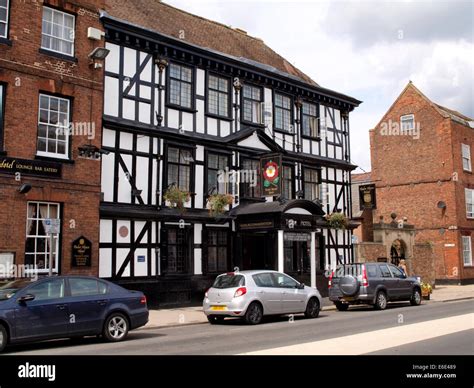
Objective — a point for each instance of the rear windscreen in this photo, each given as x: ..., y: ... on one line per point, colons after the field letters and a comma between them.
x: 229, y: 281
x: 348, y: 269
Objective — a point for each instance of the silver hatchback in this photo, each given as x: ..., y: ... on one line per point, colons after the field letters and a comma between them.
x: 253, y: 294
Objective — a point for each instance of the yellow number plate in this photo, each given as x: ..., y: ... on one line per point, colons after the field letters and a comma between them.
x: 218, y: 308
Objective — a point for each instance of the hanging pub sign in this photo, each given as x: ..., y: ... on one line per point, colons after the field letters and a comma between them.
x: 270, y: 167
x: 367, y: 197
x: 81, y: 252
x: 30, y: 167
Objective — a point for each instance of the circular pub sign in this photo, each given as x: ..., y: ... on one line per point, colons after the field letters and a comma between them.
x: 123, y: 231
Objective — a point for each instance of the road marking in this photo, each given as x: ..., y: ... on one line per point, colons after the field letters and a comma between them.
x: 373, y: 341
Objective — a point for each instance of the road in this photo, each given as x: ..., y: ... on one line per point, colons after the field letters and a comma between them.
x: 430, y: 329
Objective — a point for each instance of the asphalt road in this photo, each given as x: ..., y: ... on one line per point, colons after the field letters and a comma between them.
x: 234, y: 337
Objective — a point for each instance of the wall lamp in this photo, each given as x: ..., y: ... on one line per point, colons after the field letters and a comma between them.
x: 24, y: 188
x: 98, y: 54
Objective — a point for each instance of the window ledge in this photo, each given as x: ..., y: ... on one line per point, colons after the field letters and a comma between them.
x: 179, y: 107
x: 57, y: 55
x: 467, y: 171
x: 214, y: 116
x: 5, y: 41
x: 53, y: 159
x: 318, y: 138
x: 284, y: 132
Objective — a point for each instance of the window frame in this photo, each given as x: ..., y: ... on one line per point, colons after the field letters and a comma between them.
x: 291, y: 130
x: 172, y: 105
x: 241, y: 184
x: 318, y: 172
x: 469, y: 239
x: 471, y: 191
x: 468, y: 158
x: 206, y: 180
x: 303, y: 135
x: 57, y: 52
x: 292, y: 182
x: 35, y: 236
x: 188, y: 261
x: 3, y: 89
x: 217, y: 246
x: 5, y: 38
x: 191, y: 165
x: 47, y: 154
x: 228, y: 116
x: 412, y: 117
x: 261, y: 102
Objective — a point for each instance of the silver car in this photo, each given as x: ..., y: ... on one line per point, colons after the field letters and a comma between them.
x: 253, y: 294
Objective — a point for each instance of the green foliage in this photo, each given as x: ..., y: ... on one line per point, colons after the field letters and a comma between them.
x: 218, y: 202
x: 337, y: 220
x: 176, y: 197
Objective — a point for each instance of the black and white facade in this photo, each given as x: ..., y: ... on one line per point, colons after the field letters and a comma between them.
x: 177, y: 115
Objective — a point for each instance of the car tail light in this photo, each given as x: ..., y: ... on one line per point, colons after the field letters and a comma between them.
x: 365, y: 281
x: 240, y: 291
x: 143, y: 300
x: 330, y: 279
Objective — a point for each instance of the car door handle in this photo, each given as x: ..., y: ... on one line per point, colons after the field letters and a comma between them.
x: 61, y: 306
x: 102, y: 302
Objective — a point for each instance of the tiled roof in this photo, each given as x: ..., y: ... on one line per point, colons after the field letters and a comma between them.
x: 456, y: 116
x: 362, y: 177
x: 167, y: 20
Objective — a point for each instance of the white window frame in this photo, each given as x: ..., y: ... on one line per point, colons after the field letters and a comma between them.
x: 6, y: 21
x: 57, y: 126
x: 405, y: 118
x: 467, y: 251
x: 469, y: 198
x: 466, y: 156
x: 46, y: 237
x: 43, y: 33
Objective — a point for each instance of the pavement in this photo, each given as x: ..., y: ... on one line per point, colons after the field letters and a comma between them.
x: 194, y: 315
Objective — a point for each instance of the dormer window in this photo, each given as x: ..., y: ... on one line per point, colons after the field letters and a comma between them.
x: 407, y: 123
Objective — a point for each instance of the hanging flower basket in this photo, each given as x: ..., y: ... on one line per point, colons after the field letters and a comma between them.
x: 337, y: 220
x: 176, y: 197
x: 217, y: 203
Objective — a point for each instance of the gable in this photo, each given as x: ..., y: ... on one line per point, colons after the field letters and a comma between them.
x: 253, y: 141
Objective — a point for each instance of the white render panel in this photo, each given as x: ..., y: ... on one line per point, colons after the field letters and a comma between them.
x: 153, y: 183
x: 105, y: 231
x: 146, y: 73
x: 337, y: 118
x: 279, y: 141
x: 105, y: 262
x: 225, y: 128
x: 126, y: 141
x: 129, y: 62
x: 111, y: 93
x: 112, y: 61
x: 143, y: 143
x: 200, y: 80
x: 197, y: 261
x: 200, y: 153
x: 197, y: 233
x: 330, y: 152
x: 121, y: 256
x: 253, y: 142
x: 288, y: 146
x: 124, y: 188
x: 145, y: 92
x: 331, y: 174
x: 315, y: 147
x: 200, y: 116
x: 128, y: 109
x: 306, y: 148
x: 212, y: 126
x: 141, y: 268
x: 141, y: 178
x: 187, y: 123
x: 199, y: 189
x: 339, y: 175
x: 144, y: 112
x: 268, y: 102
x: 173, y: 118
x: 108, y: 137
x: 107, y: 180
x: 338, y: 153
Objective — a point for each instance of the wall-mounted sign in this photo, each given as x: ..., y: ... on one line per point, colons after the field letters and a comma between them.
x: 256, y: 225
x: 291, y: 236
x: 141, y: 259
x: 367, y: 198
x: 52, y: 225
x: 30, y: 167
x: 292, y: 223
x: 81, y: 252
x: 270, y: 167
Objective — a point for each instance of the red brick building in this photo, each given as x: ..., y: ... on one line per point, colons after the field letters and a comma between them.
x: 422, y: 168
x: 51, y: 107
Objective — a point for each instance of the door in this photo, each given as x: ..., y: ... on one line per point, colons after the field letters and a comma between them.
x: 268, y: 293
x: 391, y: 283
x: 46, y: 315
x: 404, y: 285
x: 292, y: 298
x: 87, y: 305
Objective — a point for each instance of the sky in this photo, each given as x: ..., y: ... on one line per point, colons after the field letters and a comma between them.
x: 365, y: 49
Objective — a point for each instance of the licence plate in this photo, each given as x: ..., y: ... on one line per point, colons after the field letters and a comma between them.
x: 218, y: 308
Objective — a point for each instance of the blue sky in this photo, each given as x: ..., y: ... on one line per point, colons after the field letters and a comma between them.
x: 366, y: 49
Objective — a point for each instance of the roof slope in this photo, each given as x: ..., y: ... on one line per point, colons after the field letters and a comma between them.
x: 165, y: 19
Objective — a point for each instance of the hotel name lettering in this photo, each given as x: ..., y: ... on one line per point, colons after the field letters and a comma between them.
x: 30, y: 167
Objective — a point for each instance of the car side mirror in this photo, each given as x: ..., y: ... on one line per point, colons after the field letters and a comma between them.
x: 26, y: 298
x: 300, y: 286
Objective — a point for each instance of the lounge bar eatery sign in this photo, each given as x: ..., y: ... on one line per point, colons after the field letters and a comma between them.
x: 30, y: 167
x: 81, y: 252
x: 270, y: 166
x: 367, y: 197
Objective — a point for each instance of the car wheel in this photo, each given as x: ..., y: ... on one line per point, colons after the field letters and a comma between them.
x: 416, y: 297
x: 342, y: 306
x: 254, y: 314
x: 380, y: 301
x: 312, y: 308
x: 115, y: 328
x: 215, y: 319
x: 3, y: 337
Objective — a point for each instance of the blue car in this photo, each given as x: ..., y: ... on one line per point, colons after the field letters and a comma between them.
x: 68, y: 307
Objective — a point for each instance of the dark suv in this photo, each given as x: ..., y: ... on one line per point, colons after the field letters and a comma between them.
x: 372, y: 283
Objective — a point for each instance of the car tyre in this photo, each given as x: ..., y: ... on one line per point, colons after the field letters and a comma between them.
x: 416, y: 297
x: 312, y: 308
x: 254, y: 313
x: 380, y: 301
x: 342, y: 306
x: 215, y: 319
x: 116, y: 327
x: 3, y: 337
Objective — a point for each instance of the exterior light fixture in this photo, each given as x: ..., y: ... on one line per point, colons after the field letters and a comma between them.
x: 299, y: 102
x: 161, y: 62
x: 98, y: 54
x: 237, y: 84
x: 89, y: 151
x: 24, y: 188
